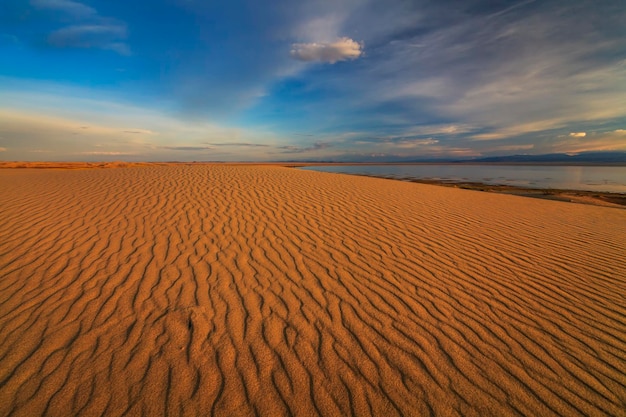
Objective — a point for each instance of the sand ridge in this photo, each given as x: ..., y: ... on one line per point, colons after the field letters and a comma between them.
x: 263, y: 290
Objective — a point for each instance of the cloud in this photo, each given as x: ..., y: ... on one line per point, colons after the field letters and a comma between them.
x: 8, y: 40
x: 297, y: 149
x: 520, y: 129
x: 578, y: 134
x: 102, y: 36
x: 89, y: 28
x: 139, y: 132
x: 415, y: 143
x: 241, y: 144
x: 105, y: 153
x: 3, y: 149
x: 341, y: 50
x: 521, y: 71
x: 187, y: 148
x: 511, y: 148
x: 594, y: 141
x: 37, y: 115
x: 66, y: 6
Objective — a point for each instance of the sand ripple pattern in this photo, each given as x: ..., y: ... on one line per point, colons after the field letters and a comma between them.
x: 230, y: 290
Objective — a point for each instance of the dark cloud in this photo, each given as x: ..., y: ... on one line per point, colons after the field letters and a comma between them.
x: 297, y: 149
x: 241, y: 144
x: 187, y: 148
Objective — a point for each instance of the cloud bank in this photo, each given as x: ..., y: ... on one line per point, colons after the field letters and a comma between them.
x: 342, y: 49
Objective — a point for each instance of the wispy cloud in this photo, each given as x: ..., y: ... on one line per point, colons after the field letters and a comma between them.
x: 515, y: 72
x: 317, y: 146
x: 241, y: 144
x: 520, y: 129
x: 436, y: 77
x: 102, y: 36
x: 139, y: 132
x: 106, y: 153
x: 415, y: 143
x: 188, y: 148
x: 89, y: 28
x: 7, y: 39
x: 340, y: 50
x: 614, y: 140
x: 72, y: 8
x: 511, y: 148
x: 3, y: 149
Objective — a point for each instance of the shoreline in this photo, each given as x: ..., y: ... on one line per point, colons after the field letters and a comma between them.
x: 596, y: 198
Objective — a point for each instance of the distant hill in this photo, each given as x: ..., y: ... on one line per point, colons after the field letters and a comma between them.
x: 583, y: 157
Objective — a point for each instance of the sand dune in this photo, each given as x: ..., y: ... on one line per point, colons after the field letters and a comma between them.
x: 241, y: 290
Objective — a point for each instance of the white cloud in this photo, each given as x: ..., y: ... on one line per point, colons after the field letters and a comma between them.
x: 415, y: 143
x: 578, y: 134
x: 341, y: 50
x: 594, y: 141
x: 520, y: 129
x: 436, y: 129
x: 517, y: 72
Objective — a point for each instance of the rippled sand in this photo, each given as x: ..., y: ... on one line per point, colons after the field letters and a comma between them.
x: 241, y: 290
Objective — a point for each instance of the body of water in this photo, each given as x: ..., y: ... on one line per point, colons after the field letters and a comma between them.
x: 589, y: 178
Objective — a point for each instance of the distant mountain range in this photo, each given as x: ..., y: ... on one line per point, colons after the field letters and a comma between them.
x: 584, y: 158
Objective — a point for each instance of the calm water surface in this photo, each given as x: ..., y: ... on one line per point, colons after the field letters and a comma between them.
x: 590, y: 178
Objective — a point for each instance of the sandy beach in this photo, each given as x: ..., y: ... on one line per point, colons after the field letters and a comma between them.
x: 241, y: 290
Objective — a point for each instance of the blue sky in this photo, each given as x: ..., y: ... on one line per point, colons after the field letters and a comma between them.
x: 318, y: 80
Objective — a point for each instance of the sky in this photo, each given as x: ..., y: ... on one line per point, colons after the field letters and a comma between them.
x: 284, y: 80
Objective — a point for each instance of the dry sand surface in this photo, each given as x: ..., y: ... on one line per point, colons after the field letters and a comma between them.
x: 264, y: 290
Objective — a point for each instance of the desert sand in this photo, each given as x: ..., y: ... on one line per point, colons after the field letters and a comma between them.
x: 264, y: 290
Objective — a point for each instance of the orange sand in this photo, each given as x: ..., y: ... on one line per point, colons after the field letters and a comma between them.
x: 262, y: 290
